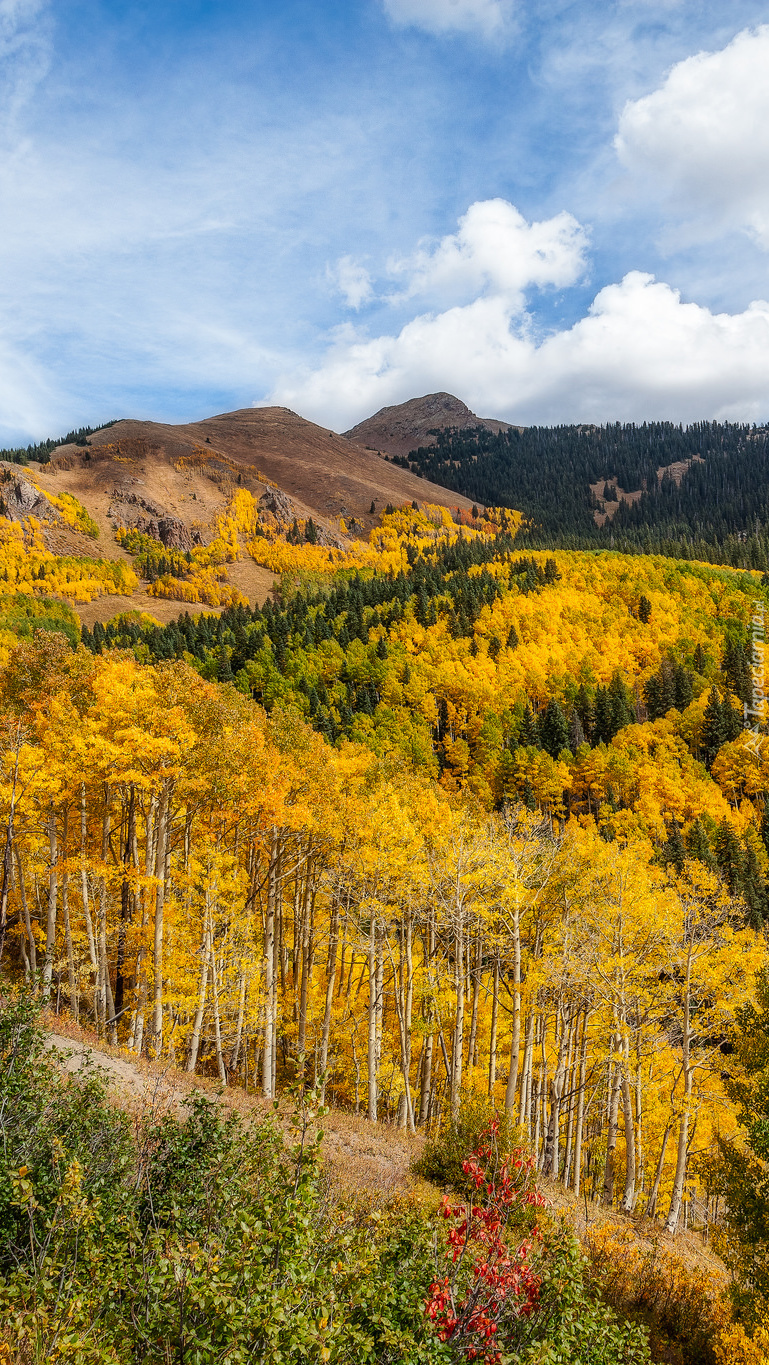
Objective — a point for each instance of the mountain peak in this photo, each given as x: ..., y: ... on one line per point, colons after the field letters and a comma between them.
x: 404, y: 426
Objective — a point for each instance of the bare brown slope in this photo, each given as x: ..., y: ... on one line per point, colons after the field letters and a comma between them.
x: 404, y: 427
x: 327, y: 475
x: 176, y: 480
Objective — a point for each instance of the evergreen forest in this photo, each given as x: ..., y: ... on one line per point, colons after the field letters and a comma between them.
x: 715, y: 509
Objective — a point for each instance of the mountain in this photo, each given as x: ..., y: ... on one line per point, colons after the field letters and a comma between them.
x: 326, y: 475
x: 399, y: 429
x: 172, y: 482
x: 697, y: 492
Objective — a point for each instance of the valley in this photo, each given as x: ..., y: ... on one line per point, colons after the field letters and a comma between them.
x: 328, y: 787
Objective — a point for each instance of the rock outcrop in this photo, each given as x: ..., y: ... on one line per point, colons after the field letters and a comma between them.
x: 130, y: 509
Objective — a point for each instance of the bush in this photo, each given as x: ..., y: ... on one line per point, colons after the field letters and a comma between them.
x: 500, y: 1296
x: 649, y: 1281
x: 441, y: 1159
x: 202, y: 1239
x: 196, y: 1239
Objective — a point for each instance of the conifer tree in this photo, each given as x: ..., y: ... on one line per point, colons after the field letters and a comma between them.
x: 729, y: 855
x: 553, y: 729
x: 713, y: 728
x: 529, y: 731
x: 698, y: 844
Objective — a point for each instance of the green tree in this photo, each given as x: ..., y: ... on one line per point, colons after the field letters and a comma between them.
x: 744, y: 1161
x: 713, y: 728
x: 554, y: 729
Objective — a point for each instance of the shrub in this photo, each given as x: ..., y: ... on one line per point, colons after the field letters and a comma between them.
x: 442, y: 1158
x: 734, y: 1347
x: 648, y: 1280
x: 512, y: 1299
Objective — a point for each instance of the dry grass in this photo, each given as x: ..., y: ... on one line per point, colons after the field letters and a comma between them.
x: 359, y: 1156
x: 676, y: 1285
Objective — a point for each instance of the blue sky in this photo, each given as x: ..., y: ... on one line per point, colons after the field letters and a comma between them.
x: 556, y: 211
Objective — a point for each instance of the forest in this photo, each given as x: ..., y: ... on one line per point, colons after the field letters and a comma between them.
x: 716, y: 510
x: 444, y: 828
x: 41, y: 451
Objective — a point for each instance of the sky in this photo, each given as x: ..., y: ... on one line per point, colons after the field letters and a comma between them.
x: 556, y: 211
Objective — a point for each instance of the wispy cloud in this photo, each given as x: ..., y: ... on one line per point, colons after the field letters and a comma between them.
x: 352, y: 280
x: 487, y: 17
x: 26, y: 29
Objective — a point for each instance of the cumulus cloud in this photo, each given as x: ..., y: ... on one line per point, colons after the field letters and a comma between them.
x: 702, y: 139
x: 640, y: 353
x: 488, y: 17
x: 496, y: 252
x: 352, y: 280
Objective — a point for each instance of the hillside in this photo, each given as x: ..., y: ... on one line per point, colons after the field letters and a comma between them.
x: 700, y: 492
x: 390, y: 828
x: 399, y: 429
x: 174, y: 483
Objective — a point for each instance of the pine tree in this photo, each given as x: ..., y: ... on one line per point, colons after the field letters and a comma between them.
x: 729, y: 855
x: 736, y: 669
x: 713, y: 728
x: 698, y: 844
x: 602, y: 730
x: 553, y: 729
x: 622, y: 707
x: 529, y: 731
x: 674, y: 850
x: 584, y: 707
x: 733, y: 720
x: 753, y: 889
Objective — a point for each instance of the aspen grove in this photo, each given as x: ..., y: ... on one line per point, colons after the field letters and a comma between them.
x: 206, y: 882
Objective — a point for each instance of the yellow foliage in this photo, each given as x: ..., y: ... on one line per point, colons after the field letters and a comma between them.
x: 734, y: 1347
x: 74, y: 513
x: 26, y: 566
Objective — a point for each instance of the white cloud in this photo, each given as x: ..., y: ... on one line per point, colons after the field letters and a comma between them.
x: 701, y: 140
x: 640, y: 353
x: 352, y: 280
x: 488, y: 17
x: 495, y: 251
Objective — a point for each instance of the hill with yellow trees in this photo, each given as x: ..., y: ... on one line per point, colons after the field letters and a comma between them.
x: 438, y: 824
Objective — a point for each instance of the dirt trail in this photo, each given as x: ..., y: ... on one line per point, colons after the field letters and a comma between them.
x: 359, y: 1156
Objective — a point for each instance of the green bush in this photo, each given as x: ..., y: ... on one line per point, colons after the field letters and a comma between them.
x: 442, y: 1156
x: 573, y: 1326
x: 201, y: 1239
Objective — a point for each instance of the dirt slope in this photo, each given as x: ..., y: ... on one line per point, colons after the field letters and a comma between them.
x: 359, y: 1156
x: 173, y: 481
x: 326, y: 475
x: 402, y: 428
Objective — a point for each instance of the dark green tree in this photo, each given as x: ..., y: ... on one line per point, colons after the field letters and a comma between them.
x: 730, y: 855
x: 713, y: 728
x: 529, y: 730
x: 553, y: 729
